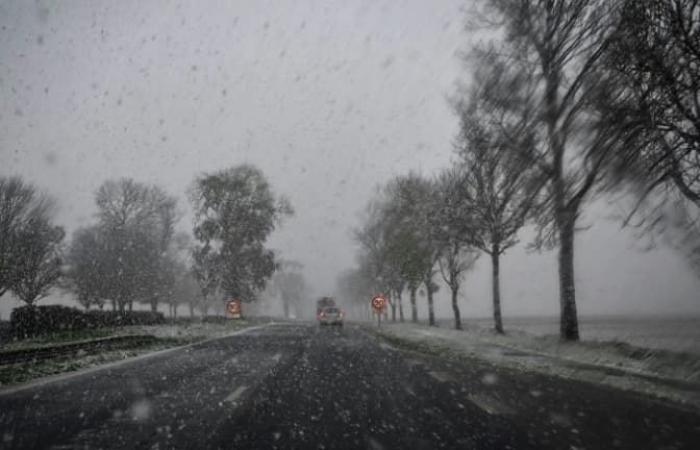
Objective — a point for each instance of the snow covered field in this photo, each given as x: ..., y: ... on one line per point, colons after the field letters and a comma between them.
x: 679, y: 334
x: 663, y: 373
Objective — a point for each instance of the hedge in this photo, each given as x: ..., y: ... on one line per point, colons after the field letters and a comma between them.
x: 28, y: 321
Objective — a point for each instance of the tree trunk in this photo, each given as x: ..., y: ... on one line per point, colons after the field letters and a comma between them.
x: 455, y: 306
x: 114, y: 305
x: 191, y: 310
x: 431, y: 311
x: 495, y: 279
x: 131, y: 306
x: 154, y: 306
x: 393, y: 309
x: 568, y: 323
x: 414, y: 308
x: 398, y: 300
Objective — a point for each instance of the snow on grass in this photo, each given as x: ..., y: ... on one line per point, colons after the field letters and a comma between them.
x: 168, y: 335
x: 188, y: 331
x: 22, y: 372
x: 667, y: 374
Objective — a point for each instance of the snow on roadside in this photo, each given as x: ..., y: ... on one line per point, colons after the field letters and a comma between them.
x: 662, y: 373
x: 188, y: 331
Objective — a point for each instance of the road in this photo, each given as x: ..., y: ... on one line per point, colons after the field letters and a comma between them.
x: 299, y: 386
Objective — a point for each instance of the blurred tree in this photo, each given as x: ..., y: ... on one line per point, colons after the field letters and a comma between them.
x: 136, y: 222
x: 544, y: 80
x: 235, y: 211
x: 411, y: 235
x: 655, y: 61
x: 20, y: 206
x: 39, y: 267
x: 493, y: 188
x: 456, y: 235
x: 374, y: 262
x: 86, y: 258
x: 288, y: 282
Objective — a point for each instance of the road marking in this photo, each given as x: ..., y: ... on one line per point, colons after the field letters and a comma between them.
x: 115, y: 364
x: 235, y: 395
x: 442, y: 377
x: 277, y: 357
x: 490, y: 405
x: 386, y: 346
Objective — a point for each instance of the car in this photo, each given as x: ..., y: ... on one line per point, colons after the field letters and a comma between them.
x: 330, y: 315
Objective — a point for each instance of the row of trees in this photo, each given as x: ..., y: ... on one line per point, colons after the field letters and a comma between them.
x: 575, y: 99
x: 132, y: 252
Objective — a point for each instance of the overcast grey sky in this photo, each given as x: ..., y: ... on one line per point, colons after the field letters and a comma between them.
x: 328, y: 98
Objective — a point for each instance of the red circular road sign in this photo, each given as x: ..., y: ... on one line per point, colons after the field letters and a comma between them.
x: 378, y: 302
x: 233, y: 307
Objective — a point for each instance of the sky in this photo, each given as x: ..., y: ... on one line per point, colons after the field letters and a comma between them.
x: 329, y: 98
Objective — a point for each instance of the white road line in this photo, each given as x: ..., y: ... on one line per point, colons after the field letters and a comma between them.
x: 490, y: 405
x: 439, y: 376
x: 235, y: 394
x: 111, y: 365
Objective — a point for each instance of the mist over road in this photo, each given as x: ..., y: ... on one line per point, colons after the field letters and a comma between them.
x: 296, y: 385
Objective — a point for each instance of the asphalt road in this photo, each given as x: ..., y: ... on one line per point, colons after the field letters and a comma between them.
x: 299, y: 386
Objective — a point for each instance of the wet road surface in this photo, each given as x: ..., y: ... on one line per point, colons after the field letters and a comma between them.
x: 300, y: 386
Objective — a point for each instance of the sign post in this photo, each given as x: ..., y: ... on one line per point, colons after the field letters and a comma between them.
x: 233, y: 308
x: 378, y: 305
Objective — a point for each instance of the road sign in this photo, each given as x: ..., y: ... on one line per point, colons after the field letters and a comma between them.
x: 378, y: 303
x: 233, y: 309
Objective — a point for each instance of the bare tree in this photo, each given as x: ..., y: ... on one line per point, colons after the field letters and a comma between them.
x: 137, y: 224
x: 496, y: 188
x: 39, y: 244
x: 20, y: 206
x: 455, y: 238
x: 545, y: 78
x: 654, y: 63
x: 86, y: 258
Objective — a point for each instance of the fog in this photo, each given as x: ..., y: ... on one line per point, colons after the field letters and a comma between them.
x: 329, y: 99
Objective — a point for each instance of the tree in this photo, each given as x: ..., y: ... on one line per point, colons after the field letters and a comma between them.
x: 455, y: 237
x: 235, y: 212
x: 374, y: 260
x: 86, y: 258
x: 288, y: 282
x: 206, y: 273
x: 412, y: 235
x: 546, y: 78
x: 39, y: 244
x: 655, y: 60
x: 20, y: 206
x: 136, y: 222
x: 353, y: 288
x: 184, y: 291
x: 495, y: 187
